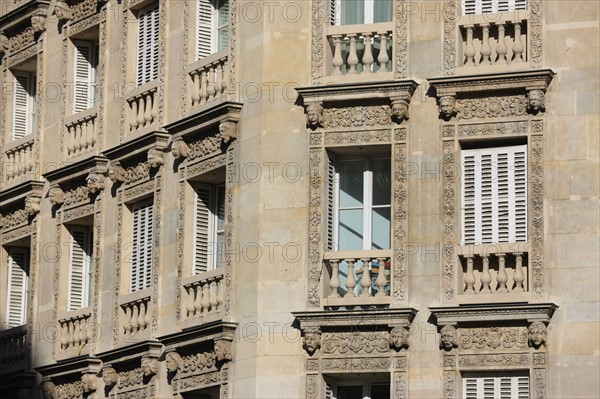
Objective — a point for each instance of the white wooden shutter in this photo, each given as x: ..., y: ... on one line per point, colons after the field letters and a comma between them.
x: 478, y: 7
x: 22, y: 104
x: 330, y: 244
x: 202, y: 227
x: 84, y: 76
x: 495, y: 386
x: 18, y: 280
x: 79, y: 268
x: 141, y: 256
x: 335, y: 12
x: 148, y: 30
x: 328, y: 391
x: 494, y: 195
x: 205, y: 15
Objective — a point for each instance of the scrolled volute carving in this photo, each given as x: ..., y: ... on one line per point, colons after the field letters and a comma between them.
x: 32, y: 204
x: 156, y: 158
x: 399, y: 110
x: 62, y: 11
x: 117, y: 173
x: 447, y: 107
x: 311, y: 340
x: 38, y: 22
x: 223, y: 350
x: 314, y: 116
x: 89, y: 383
x: 537, y: 334
x: 180, y: 149
x: 48, y: 389
x: 448, y: 337
x: 398, y: 338
x: 95, y: 182
x: 228, y: 131
x: 536, y: 101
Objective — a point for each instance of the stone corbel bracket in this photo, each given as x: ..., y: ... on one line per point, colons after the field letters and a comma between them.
x: 149, y: 147
x: 25, y: 196
x: 132, y: 353
x: 62, y: 10
x: 71, y: 370
x: 199, y: 335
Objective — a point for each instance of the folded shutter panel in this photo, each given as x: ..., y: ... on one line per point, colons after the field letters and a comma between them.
x: 202, y: 236
x: 22, y: 103
x: 18, y: 271
x: 84, y: 73
x: 204, y: 24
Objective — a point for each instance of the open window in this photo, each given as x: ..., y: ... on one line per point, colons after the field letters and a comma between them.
x: 209, y: 227
x: 212, y: 25
x: 351, y: 12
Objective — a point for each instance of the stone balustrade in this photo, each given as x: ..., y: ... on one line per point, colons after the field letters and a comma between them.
x: 357, y: 277
x: 12, y: 346
x: 75, y: 328
x: 143, y: 106
x: 20, y: 159
x: 494, y: 269
x: 205, y: 293
x: 210, y: 78
x: 138, y: 315
x: 81, y: 130
x: 360, y: 49
x: 500, y: 39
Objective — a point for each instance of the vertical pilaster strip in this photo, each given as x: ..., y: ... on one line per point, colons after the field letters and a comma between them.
x: 117, y: 271
x: 535, y: 33
x: 229, y: 225
x: 449, y: 177
x: 312, y: 387
x: 401, y: 39
x: 102, y: 46
x: 449, y: 388
x: 319, y: 19
x: 536, y: 216
x: 449, y: 13
x: 97, y: 262
x: 184, y: 56
x: 232, y: 55
x: 180, y: 230
x: 33, y: 297
x: 124, y: 85
x: 156, y: 251
x: 162, y: 35
x: 399, y: 385
x: 400, y: 201
x: 56, y: 277
x: 315, y: 243
x: 539, y: 383
x: 68, y: 85
x: 38, y: 100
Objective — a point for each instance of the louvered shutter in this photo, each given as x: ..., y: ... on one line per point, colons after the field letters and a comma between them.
x: 478, y: 7
x: 328, y: 391
x: 496, y: 386
x: 148, y: 29
x: 22, y: 104
x: 79, y: 268
x: 330, y: 244
x: 141, y: 256
x: 202, y: 227
x: 204, y: 24
x: 335, y: 7
x: 494, y: 195
x: 219, y: 227
x: 18, y: 280
x: 84, y: 75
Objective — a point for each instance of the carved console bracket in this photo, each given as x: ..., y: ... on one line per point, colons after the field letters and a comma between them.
x: 20, y: 27
x: 66, y: 379
x: 19, y: 203
x: 494, y: 314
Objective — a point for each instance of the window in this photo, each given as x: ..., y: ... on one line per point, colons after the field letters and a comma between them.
x: 86, y: 75
x: 477, y: 7
x: 18, y: 282
x: 209, y: 228
x: 349, y: 12
x: 141, y: 251
x: 494, y: 195
x: 360, y: 203
x: 147, y: 52
x: 354, y: 390
x: 80, y: 267
x: 212, y: 21
x: 495, y: 385
x: 23, y: 104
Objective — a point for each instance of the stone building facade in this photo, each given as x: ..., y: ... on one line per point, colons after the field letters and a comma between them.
x: 299, y: 199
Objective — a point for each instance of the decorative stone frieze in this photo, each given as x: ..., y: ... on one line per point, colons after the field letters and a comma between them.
x: 14, y: 218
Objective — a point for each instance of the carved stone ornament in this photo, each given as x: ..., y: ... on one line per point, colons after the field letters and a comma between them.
x: 180, y: 149
x: 38, y: 22
x: 95, y: 182
x: 48, y: 389
x: 62, y: 11
x: 4, y: 43
x: 56, y: 195
x: 173, y: 361
x: 448, y: 337
x: 400, y: 110
x: 32, y: 205
x: 110, y: 377
x: 537, y: 334
x: 398, y: 338
x: 223, y: 350
x: 312, y: 341
x: 314, y: 116
x: 156, y: 158
x: 89, y: 383
x: 228, y: 131
x: 149, y: 366
x: 355, y: 342
x: 536, y: 101
x: 447, y: 107
x: 117, y: 173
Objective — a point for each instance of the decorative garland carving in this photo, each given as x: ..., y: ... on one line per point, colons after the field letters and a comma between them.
x: 97, y: 261
x: 206, y: 165
x: 229, y: 226
x: 33, y: 296
x: 535, y: 32
x: 156, y: 253
x: 487, y: 129
x: 399, y: 385
x: 21, y: 40
x: 366, y: 363
x: 357, y: 342
x: 401, y: 39
x: 180, y: 233
x: 15, y: 218
x: 117, y: 271
x: 449, y: 384
x: 500, y: 360
x: 361, y: 116
x: 101, y: 76
x: 536, y: 216
x: 319, y: 16
x: 491, y: 107
x: 77, y: 195
x: 205, y: 146
x: 184, y: 54
x: 198, y: 363
x: 130, y: 378
x: 232, y: 55
x: 449, y: 199
x: 314, y: 233
x: 195, y: 382
x: 65, y: 94
x: 56, y: 277
x: 448, y: 131
x: 539, y: 383
x: 77, y: 212
x: 162, y: 35
x: 449, y: 13
x: 123, y: 75
x: 400, y: 184
x: 137, y: 172
x: 400, y: 363
x: 72, y: 390
x: 83, y: 9
x: 17, y: 233
x: 493, y: 338
x: 83, y: 24
x: 362, y: 137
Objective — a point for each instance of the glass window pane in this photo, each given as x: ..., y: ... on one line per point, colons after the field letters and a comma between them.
x: 350, y: 392
x: 351, y: 183
x: 382, y: 11
x: 220, y: 247
x: 382, y: 186
x: 351, y: 229
x: 380, y: 391
x: 353, y: 12
x: 381, y: 228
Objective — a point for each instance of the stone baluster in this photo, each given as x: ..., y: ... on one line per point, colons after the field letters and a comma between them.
x: 141, y: 314
x: 147, y: 314
x: 501, y: 47
x: 352, y: 56
x: 190, y: 300
x: 334, y: 282
x: 518, y: 45
x: 135, y: 316
x: 486, y: 50
x: 133, y: 123
x: 195, y: 88
x: 368, y: 59
x: 30, y: 160
x: 127, y: 326
x: 213, y: 295
x: 141, y: 111
x: 365, y: 282
x: 154, y: 109
x: 10, y: 168
x: 486, y: 278
x: 382, y: 58
x: 381, y: 279
x: 502, y: 277
x: 218, y: 77
x: 211, y: 89
x: 71, y: 145
x: 198, y: 300
x: 519, y: 276
x: 205, y: 300
x: 469, y: 47
x: 78, y: 141
x: 76, y: 333
x: 337, y: 61
x: 148, y: 108
x: 203, y: 87
x: 94, y: 132
x: 64, y: 335
x: 350, y: 279
x: 225, y: 82
x: 90, y: 133
x: 220, y: 295
x: 469, y: 277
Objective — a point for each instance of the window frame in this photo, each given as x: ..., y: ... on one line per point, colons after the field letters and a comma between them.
x: 87, y: 266
x: 147, y: 52
x: 30, y: 106
x: 368, y: 12
x: 91, y: 86
x: 10, y: 250
x: 496, y: 377
x: 332, y: 390
x: 141, y: 273
x: 481, y: 7
x: 213, y: 28
x: 216, y: 198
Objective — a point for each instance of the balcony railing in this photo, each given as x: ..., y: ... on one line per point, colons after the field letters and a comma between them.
x: 143, y: 106
x: 137, y: 312
x: 12, y: 346
x: 76, y: 329
x: 360, y: 49
x: 20, y: 159
x: 498, y: 40
x: 210, y: 78
x: 205, y: 294
x: 494, y: 269
x: 82, y: 132
x: 356, y: 278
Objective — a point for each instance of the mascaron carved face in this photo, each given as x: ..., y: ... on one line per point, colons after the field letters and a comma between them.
x: 149, y: 366
x: 110, y: 376
x: 314, y: 115
x: 447, y: 107
x: 537, y: 334
x: 95, y: 182
x: 173, y: 362
x: 155, y: 158
x: 180, y: 149
x: 32, y: 205
x: 48, y: 389
x: 228, y: 131
x: 223, y: 350
x: 38, y: 23
x: 88, y: 383
x: 449, y: 338
x: 400, y: 110
x: 398, y: 337
x: 535, y: 100
x: 56, y: 196
x: 312, y: 341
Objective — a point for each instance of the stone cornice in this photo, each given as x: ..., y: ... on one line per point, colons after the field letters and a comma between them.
x: 20, y: 192
x: 71, y: 367
x: 134, y: 352
x: 204, y: 332
x: 494, y: 313
x: 78, y: 170
x: 387, y: 90
x: 22, y: 14
x: 514, y: 81
x: 354, y: 318
x: 223, y: 112
x: 138, y: 146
